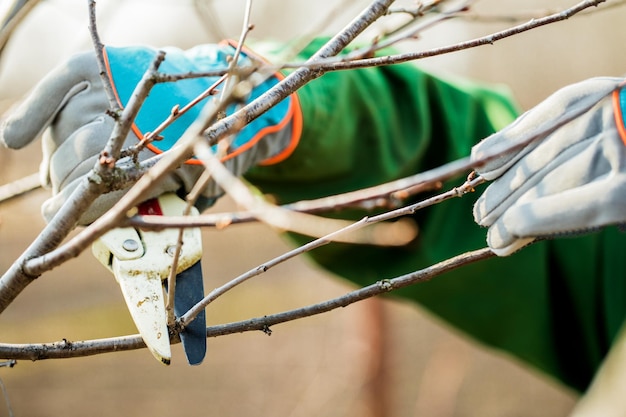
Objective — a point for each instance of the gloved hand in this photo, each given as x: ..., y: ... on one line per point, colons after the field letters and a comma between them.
x: 69, y: 107
x: 571, y: 180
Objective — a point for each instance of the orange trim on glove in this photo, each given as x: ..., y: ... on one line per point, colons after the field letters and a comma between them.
x: 134, y: 128
x: 294, y: 115
x: 619, y: 116
x: 296, y: 132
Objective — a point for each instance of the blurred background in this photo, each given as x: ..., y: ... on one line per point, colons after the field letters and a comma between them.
x: 376, y: 358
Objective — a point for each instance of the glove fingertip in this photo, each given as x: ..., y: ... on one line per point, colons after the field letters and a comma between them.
x: 503, y: 242
x: 478, y: 212
x: 512, y: 248
x: 490, y: 170
x: 9, y: 139
x: 485, y: 211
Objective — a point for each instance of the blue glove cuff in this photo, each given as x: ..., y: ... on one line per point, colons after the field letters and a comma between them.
x: 126, y: 66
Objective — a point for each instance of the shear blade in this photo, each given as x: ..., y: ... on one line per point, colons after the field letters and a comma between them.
x: 143, y: 296
x: 190, y: 291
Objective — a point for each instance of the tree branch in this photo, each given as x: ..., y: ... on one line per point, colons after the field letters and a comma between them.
x: 468, y: 186
x: 98, y: 47
x: 42, y: 256
x: 19, y: 187
x: 353, y: 61
x: 32, y: 263
x: 38, y: 263
x: 68, y: 349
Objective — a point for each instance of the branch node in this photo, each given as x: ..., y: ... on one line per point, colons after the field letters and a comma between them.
x: 385, y: 285
x: 8, y: 364
x: 95, y: 178
x: 66, y: 344
x: 266, y: 329
x: 106, y: 160
x: 113, y: 114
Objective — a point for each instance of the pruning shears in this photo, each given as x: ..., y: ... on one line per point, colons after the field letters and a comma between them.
x: 141, y: 261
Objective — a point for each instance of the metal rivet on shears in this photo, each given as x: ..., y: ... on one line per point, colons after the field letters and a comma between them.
x: 130, y: 245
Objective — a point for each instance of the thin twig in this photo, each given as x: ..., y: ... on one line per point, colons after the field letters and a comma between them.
x: 419, y: 10
x: 68, y: 349
x: 245, y: 30
x: 191, y: 199
x: 468, y: 186
x: 412, y: 29
x: 19, y: 187
x: 348, y: 62
x: 7, y: 364
x: 176, y: 156
x: 96, y: 182
x: 515, y: 17
x: 174, y: 115
x: 290, y: 84
x: 98, y: 46
x: 364, y: 199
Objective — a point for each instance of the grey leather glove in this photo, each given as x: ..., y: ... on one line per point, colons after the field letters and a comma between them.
x: 571, y: 180
x: 69, y: 107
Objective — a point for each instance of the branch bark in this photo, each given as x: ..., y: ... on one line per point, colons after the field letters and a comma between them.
x: 353, y: 60
x: 42, y: 255
x: 40, y: 261
x: 69, y: 349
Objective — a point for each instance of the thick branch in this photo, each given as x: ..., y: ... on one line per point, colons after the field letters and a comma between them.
x: 183, y: 150
x: 94, y: 184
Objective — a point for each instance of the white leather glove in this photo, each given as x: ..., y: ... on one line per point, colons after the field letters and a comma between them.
x: 571, y: 180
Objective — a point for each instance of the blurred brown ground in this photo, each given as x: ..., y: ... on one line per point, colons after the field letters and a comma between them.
x: 329, y: 365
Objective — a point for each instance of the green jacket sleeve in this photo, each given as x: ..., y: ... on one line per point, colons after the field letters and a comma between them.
x: 555, y: 305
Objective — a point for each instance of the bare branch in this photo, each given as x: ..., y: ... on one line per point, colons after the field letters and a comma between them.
x: 19, y: 187
x: 439, y: 174
x: 349, y: 62
x: 366, y: 199
x: 468, y: 186
x: 42, y: 256
x: 174, y: 115
x: 514, y: 17
x: 98, y: 46
x: 32, y: 262
x: 412, y: 29
x: 278, y: 217
x: 67, y: 349
x: 37, y: 263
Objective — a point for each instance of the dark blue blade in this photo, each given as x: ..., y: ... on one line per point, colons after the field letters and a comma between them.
x: 190, y: 291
